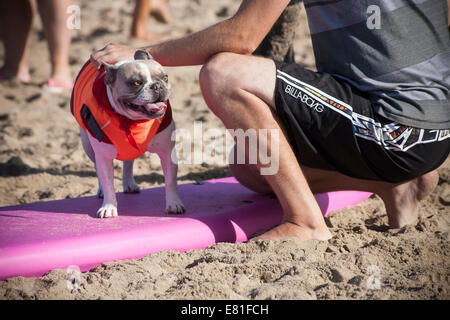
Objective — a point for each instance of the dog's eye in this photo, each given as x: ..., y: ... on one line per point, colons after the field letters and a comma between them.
x: 165, y: 78
x: 137, y: 83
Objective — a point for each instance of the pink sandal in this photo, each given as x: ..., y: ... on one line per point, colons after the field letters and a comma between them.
x: 57, y: 87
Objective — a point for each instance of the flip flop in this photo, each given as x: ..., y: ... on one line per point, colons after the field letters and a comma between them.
x: 57, y: 87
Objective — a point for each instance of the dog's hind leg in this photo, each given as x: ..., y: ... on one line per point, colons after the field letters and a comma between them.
x: 87, y: 145
x: 91, y: 155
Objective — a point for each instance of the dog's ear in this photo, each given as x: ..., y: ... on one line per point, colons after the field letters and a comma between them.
x: 111, y: 73
x: 142, y: 55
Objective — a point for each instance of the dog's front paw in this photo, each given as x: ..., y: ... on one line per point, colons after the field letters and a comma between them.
x: 131, y: 187
x: 175, y: 207
x: 107, y: 211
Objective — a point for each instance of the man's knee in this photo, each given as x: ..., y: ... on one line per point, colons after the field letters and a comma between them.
x: 217, y: 75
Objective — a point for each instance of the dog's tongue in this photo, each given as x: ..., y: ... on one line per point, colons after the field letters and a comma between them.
x: 156, y: 107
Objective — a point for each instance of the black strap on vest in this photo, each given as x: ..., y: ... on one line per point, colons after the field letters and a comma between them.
x: 91, y: 123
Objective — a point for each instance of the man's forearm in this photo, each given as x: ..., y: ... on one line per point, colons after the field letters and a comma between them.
x: 197, y: 48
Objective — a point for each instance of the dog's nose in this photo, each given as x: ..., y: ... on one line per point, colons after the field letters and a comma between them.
x: 156, y: 87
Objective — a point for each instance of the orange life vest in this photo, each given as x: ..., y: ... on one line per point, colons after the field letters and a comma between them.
x: 130, y: 137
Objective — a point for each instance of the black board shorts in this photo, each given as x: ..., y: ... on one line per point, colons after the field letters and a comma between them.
x: 331, y: 125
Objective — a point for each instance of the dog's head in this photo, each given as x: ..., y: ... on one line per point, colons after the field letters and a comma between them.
x: 138, y: 87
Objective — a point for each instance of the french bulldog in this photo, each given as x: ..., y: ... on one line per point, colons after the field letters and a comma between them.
x: 137, y: 90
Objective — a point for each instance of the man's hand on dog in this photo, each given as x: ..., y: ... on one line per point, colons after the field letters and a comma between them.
x: 112, y: 53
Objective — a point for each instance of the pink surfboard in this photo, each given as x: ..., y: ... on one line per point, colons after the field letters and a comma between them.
x: 36, y: 238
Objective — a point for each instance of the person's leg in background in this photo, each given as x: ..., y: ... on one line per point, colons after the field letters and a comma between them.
x: 160, y: 11
x: 54, y: 17
x: 15, y: 25
x: 142, y: 11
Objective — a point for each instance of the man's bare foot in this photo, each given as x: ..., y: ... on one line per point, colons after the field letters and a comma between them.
x: 290, y: 230
x: 402, y: 201
x: 161, y: 12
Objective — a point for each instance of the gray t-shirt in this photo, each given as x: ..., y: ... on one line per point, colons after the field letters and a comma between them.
x: 397, y: 51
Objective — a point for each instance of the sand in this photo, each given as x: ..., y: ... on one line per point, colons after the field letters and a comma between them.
x: 41, y: 159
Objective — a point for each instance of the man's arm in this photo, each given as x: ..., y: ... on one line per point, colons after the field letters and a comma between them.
x: 241, y: 33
